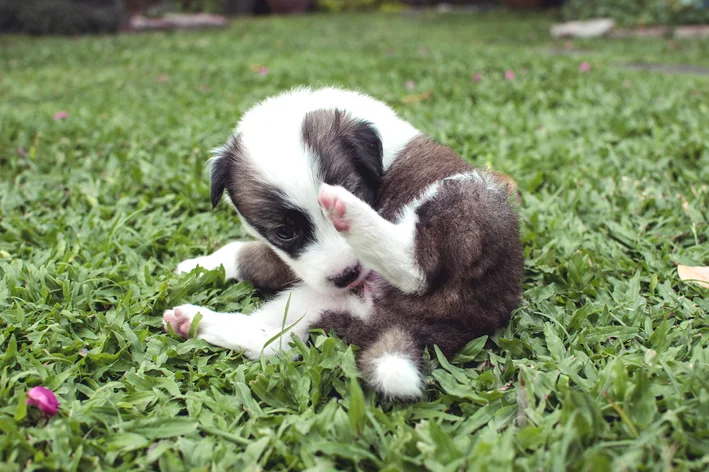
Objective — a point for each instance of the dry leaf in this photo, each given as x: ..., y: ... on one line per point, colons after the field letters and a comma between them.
x: 507, y: 386
x: 509, y: 183
x: 419, y: 97
x: 696, y: 274
x: 685, y: 204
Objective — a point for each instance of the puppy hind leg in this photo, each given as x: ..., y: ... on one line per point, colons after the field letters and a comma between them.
x: 385, y: 247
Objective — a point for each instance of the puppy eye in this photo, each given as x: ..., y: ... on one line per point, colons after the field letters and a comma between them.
x: 285, y: 233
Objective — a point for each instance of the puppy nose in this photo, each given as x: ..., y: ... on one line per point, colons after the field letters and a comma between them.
x: 347, y: 276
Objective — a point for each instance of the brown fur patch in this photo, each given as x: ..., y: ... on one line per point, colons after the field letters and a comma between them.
x: 421, y: 163
x: 262, y: 267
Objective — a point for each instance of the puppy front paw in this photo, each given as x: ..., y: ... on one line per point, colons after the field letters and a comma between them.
x: 180, y: 318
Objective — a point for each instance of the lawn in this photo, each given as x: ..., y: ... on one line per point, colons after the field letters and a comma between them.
x: 604, y: 366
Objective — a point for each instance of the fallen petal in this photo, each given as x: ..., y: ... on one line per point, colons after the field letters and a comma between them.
x: 260, y: 69
x: 44, y: 399
x: 61, y: 115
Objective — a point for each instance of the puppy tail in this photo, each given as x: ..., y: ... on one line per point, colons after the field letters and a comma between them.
x: 392, y: 364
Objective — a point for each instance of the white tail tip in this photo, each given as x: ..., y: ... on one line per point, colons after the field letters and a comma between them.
x: 396, y: 376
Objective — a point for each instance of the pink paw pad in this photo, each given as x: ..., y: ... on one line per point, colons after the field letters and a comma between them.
x: 334, y: 208
x: 179, y: 322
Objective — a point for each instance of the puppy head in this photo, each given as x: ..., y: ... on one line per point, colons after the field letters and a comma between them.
x: 271, y: 170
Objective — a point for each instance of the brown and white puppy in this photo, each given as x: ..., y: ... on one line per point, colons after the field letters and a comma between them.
x: 366, y: 227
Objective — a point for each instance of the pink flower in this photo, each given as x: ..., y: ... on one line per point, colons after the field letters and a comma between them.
x: 21, y: 152
x: 61, y: 115
x: 44, y: 399
x: 263, y: 70
x: 477, y: 77
x: 584, y: 66
x: 510, y: 74
x: 410, y: 84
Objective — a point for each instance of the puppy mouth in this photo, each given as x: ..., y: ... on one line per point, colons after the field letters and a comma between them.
x: 358, y: 285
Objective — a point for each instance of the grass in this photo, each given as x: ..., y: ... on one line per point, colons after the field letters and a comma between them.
x: 605, y: 365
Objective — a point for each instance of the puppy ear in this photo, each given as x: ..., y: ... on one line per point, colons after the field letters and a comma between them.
x: 223, y: 169
x: 349, y: 151
x: 366, y: 145
x: 218, y: 176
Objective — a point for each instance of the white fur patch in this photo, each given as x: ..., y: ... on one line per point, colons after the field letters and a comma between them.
x: 226, y: 256
x: 290, y: 108
x: 396, y: 376
x: 477, y: 177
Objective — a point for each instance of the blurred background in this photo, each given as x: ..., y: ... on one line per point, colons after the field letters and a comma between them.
x: 73, y: 17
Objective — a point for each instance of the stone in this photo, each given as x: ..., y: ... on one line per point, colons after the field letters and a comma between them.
x: 583, y: 29
x: 692, y: 31
x: 172, y: 21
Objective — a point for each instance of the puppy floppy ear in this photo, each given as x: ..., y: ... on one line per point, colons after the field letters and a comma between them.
x: 366, y: 146
x: 223, y: 168
x: 220, y: 169
x: 349, y: 151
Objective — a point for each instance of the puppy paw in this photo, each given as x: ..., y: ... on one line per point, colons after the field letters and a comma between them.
x: 335, y: 202
x: 180, y: 318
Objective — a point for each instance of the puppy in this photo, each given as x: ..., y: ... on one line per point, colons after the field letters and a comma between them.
x: 364, y: 226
